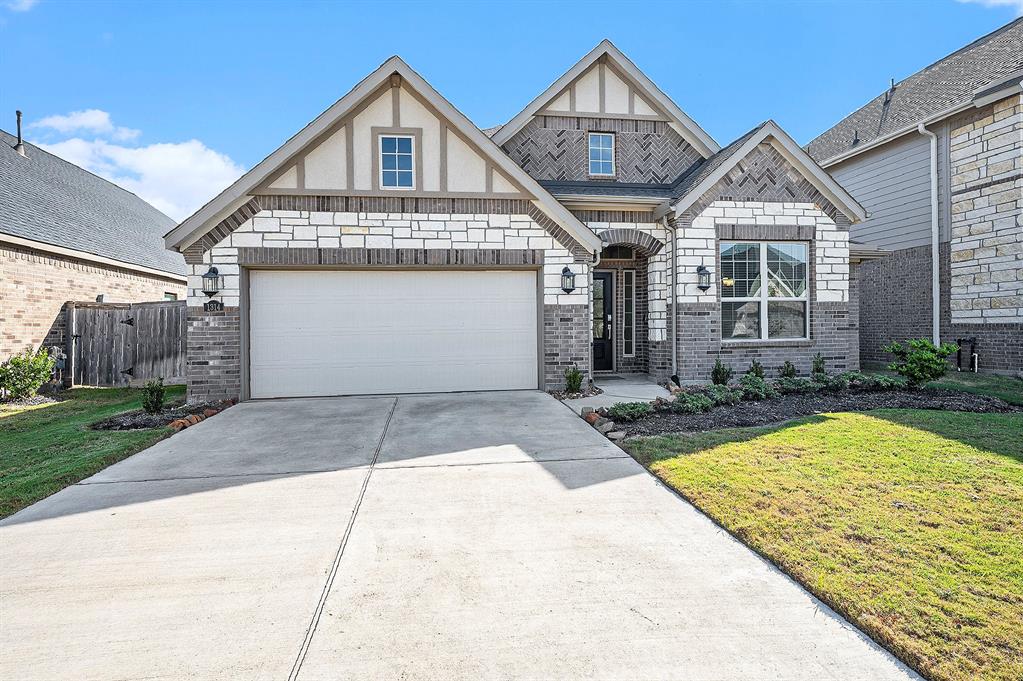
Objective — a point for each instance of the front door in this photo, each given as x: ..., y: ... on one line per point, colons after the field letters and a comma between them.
x: 603, y: 296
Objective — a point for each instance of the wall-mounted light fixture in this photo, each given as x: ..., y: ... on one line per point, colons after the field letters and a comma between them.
x: 567, y: 280
x: 212, y: 282
x: 703, y: 275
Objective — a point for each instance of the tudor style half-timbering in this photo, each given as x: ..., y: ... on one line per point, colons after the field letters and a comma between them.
x: 392, y: 246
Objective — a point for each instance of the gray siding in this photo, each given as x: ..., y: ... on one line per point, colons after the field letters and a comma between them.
x: 893, y: 185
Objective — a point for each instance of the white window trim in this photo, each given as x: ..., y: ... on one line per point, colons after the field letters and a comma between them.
x: 626, y: 276
x: 765, y: 299
x: 380, y: 161
x: 614, y: 154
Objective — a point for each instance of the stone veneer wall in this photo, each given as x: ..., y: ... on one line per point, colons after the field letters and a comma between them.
x: 986, y: 154
x: 34, y: 286
x: 833, y: 330
x: 566, y: 316
x: 895, y: 304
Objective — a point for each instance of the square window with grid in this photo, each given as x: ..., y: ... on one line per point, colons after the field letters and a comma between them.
x: 759, y: 307
x: 602, y: 154
x: 396, y: 162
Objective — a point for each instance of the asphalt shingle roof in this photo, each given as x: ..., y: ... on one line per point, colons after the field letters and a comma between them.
x: 943, y: 85
x: 47, y: 199
x: 604, y: 188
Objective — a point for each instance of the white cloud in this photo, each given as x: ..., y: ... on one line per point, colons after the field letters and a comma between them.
x: 1015, y: 5
x: 95, y: 121
x: 20, y: 5
x: 175, y: 177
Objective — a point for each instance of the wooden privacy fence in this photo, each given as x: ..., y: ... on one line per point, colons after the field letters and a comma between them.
x: 117, y: 344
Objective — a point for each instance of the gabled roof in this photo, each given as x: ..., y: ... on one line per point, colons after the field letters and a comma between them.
x: 684, y: 125
x: 237, y: 194
x: 943, y: 88
x: 46, y: 200
x: 701, y: 179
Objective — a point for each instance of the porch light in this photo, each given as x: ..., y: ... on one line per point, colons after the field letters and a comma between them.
x: 212, y: 282
x: 704, y: 278
x: 567, y: 280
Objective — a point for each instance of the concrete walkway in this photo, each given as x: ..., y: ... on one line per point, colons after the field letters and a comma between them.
x: 620, y: 388
x: 463, y: 536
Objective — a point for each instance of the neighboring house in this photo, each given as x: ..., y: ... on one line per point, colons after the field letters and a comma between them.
x: 68, y: 235
x: 392, y: 246
x: 937, y: 161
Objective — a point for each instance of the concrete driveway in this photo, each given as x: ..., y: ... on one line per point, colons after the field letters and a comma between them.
x: 460, y: 536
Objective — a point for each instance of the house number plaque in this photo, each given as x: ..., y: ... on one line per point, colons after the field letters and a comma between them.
x: 213, y: 306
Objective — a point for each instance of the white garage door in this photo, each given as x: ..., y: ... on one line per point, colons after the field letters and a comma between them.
x: 359, y: 332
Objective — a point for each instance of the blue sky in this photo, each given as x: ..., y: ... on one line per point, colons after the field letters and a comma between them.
x: 174, y: 100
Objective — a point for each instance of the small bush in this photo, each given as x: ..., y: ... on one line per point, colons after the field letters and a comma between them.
x: 919, y: 361
x: 628, y: 411
x: 788, y: 370
x: 754, y: 388
x: 722, y: 394
x: 796, y: 386
x: 691, y: 403
x: 573, y: 380
x: 834, y: 384
x: 721, y: 374
x: 22, y: 375
x: 755, y: 369
x: 872, y: 382
x: 152, y: 396
x: 818, y: 368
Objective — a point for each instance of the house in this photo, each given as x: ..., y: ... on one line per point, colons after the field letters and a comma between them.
x: 937, y: 161
x: 68, y: 235
x: 392, y: 246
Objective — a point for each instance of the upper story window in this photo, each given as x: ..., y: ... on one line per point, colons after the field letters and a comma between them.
x: 763, y: 291
x: 396, y: 162
x: 602, y: 154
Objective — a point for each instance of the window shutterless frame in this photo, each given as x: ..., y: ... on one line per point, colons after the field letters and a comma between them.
x: 763, y: 297
x: 601, y: 154
x: 398, y: 165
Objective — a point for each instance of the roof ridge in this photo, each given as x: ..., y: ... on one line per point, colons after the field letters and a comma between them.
x: 981, y: 39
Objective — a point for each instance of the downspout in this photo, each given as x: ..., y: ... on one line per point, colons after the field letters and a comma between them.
x: 935, y: 285
x: 589, y: 297
x: 672, y: 293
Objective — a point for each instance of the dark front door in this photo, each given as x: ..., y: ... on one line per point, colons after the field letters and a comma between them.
x: 603, y: 349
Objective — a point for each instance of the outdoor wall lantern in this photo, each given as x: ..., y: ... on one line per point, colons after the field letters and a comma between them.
x: 703, y: 274
x: 212, y: 282
x: 567, y: 280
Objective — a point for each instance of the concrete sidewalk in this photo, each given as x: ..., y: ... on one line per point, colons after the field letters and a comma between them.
x: 491, y: 535
x: 620, y: 388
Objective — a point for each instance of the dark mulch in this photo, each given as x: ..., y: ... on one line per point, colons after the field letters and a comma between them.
x: 586, y: 392
x: 139, y: 420
x: 33, y: 401
x: 787, y: 407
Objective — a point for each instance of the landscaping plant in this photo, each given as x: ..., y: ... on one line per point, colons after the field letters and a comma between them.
x: 788, y: 370
x: 872, y: 382
x: 573, y: 380
x: 818, y: 368
x: 152, y: 396
x: 691, y: 403
x: 628, y: 411
x: 721, y: 374
x: 22, y: 375
x: 722, y: 394
x: 754, y: 388
x: 755, y: 369
x: 796, y: 386
x: 919, y: 361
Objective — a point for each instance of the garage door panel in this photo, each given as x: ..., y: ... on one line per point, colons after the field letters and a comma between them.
x: 334, y: 332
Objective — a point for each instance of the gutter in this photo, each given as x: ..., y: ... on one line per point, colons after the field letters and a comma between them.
x: 90, y: 257
x: 935, y: 285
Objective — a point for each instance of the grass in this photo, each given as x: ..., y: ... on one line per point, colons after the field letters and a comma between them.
x: 1008, y: 388
x: 908, y: 522
x: 44, y: 449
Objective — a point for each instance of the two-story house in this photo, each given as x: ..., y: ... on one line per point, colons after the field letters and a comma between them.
x: 393, y: 246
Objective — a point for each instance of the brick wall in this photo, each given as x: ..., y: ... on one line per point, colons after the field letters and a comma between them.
x: 986, y: 159
x: 213, y: 363
x: 35, y: 285
x: 566, y: 342
x: 895, y: 304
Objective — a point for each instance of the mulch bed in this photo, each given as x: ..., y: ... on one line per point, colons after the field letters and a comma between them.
x: 586, y: 392
x: 33, y: 401
x: 140, y: 420
x: 767, y: 412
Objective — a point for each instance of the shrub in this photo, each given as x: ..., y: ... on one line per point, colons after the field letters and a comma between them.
x: 754, y: 387
x: 788, y: 370
x: 818, y: 367
x: 828, y: 383
x: 628, y: 411
x: 691, y: 403
x: 788, y: 385
x: 573, y: 380
x: 152, y: 396
x: 722, y: 394
x: 872, y: 382
x: 755, y: 369
x: 919, y: 361
x: 721, y: 374
x: 22, y: 375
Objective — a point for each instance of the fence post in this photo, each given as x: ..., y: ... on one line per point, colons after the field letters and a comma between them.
x: 70, y: 329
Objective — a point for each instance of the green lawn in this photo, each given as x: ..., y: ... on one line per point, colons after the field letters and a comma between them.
x: 1006, y: 387
x: 909, y: 523
x: 44, y: 449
